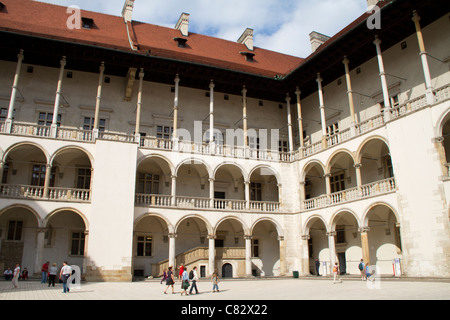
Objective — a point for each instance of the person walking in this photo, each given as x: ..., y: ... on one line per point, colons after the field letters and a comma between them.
x: 184, y: 282
x: 52, y: 275
x: 16, y: 275
x: 44, y: 272
x: 215, y: 281
x: 317, y: 265
x: 164, y: 277
x: 336, y: 273
x: 194, y: 279
x: 180, y: 274
x: 64, y: 275
x: 362, y: 270
x: 169, y: 280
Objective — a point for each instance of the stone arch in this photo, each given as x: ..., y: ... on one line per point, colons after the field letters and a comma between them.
x: 158, y: 156
x: 55, y: 212
x: 278, y: 227
x: 365, y: 142
x: 265, y: 167
x: 169, y: 225
x: 62, y: 149
x: 334, y: 155
x: 308, y: 166
x: 25, y: 143
x: 209, y: 228
x: 194, y: 161
x: 244, y: 226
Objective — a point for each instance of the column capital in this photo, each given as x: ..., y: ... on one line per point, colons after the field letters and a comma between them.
x: 280, y: 238
x: 211, y: 236
x: 416, y: 18
x: 211, y: 84
x: 141, y: 73
x: 327, y: 175
x: 41, y: 230
x: 357, y: 165
x: 331, y: 234
x: 345, y: 61
x: 364, y: 229
x: 20, y: 56
x: 306, y: 236
x: 177, y: 79
x: 288, y: 98
x: 63, y: 61
x: 102, y: 66
x: 244, y: 90
x: 319, y: 78
x: 248, y: 237
x: 377, y: 41
x: 172, y: 235
x: 173, y: 176
x: 298, y: 91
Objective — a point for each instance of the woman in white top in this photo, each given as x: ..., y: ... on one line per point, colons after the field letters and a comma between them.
x: 53, y: 270
x: 16, y: 275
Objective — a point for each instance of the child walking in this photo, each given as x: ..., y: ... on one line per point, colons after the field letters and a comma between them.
x: 215, y: 281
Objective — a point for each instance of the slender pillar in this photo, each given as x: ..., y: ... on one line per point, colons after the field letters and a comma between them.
x: 2, y: 167
x: 300, y: 119
x: 332, y: 248
x: 357, y: 167
x: 365, y: 244
x: 247, y: 194
x: 86, y: 253
x: 48, y: 171
x: 302, y: 194
x: 211, y: 192
x: 172, y: 237
x: 212, y: 254
x: 282, y: 256
x: 211, y: 116
x: 174, y: 191
x: 289, y: 123
x: 139, y: 107
x: 350, y: 95
x: 40, y: 243
x: 423, y: 56
x: 323, y: 120
x: 175, y: 110
x: 328, y: 183
x: 384, y: 87
x: 244, y: 115
x: 12, y: 101
x: 54, y: 126
x: 98, y: 100
x: 248, y: 255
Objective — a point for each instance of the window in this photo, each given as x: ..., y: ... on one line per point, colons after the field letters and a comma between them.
x: 88, y: 124
x: 87, y: 23
x: 38, y: 175
x: 255, y: 248
x: 164, y: 132
x: 333, y: 129
x: 218, y: 137
x: 394, y: 100
x: 5, y: 173
x: 283, y: 146
x: 148, y: 183
x: 255, y: 191
x: 389, y: 171
x: 337, y: 182
x: 15, y: 230
x: 340, y: 234
x: 144, y: 246
x: 46, y: 119
x: 77, y: 248
x: 84, y: 178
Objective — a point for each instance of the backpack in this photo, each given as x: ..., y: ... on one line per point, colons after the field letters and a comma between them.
x: 361, y: 266
x: 191, y: 275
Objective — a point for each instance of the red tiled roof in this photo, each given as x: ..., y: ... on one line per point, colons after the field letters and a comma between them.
x: 50, y: 21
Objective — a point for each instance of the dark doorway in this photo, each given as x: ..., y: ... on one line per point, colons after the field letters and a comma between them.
x: 342, y: 262
x: 227, y: 271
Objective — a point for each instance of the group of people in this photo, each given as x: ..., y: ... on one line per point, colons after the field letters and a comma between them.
x: 187, y: 280
x: 364, y: 268
x: 48, y: 273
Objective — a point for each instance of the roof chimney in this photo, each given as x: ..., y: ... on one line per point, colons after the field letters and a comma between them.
x: 317, y: 39
x: 127, y: 11
x: 183, y: 24
x: 247, y: 39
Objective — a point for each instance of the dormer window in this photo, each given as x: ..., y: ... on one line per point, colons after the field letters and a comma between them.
x: 87, y: 23
x: 2, y: 6
x: 181, y: 42
x: 248, y: 55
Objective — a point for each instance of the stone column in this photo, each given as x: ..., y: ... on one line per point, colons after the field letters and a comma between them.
x: 172, y: 237
x: 423, y: 56
x: 98, y: 100
x: 387, y: 103
x: 289, y: 123
x: 12, y: 101
x: 211, y: 192
x: 305, y: 256
x: 300, y: 119
x: 212, y: 254
x: 54, y: 126
x: 40, y: 243
x: 302, y: 194
x: 328, y: 185
x: 247, y: 194
x: 174, y: 191
x: 357, y: 167
x: 211, y: 117
x: 332, y: 248
x: 2, y: 167
x: 86, y: 255
x: 248, y: 255
x: 138, y: 108
x: 350, y: 96
x: 48, y: 172
x: 244, y: 116
x: 323, y: 120
x: 175, y: 112
x: 365, y: 244
x: 282, y: 255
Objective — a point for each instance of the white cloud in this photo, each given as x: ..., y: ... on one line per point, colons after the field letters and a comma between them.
x: 282, y: 26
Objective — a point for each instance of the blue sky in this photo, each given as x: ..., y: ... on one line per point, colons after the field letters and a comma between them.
x: 279, y: 25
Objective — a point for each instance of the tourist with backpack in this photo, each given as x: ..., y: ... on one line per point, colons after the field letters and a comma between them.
x: 193, y: 276
x: 184, y: 282
x: 361, y: 268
